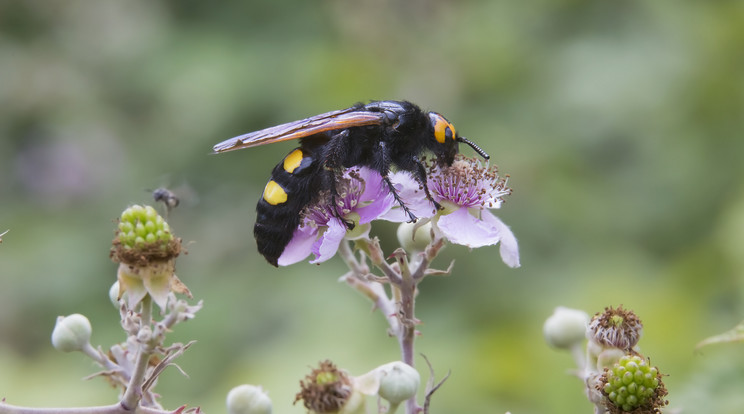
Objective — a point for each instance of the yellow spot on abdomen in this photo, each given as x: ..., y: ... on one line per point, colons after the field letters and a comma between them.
x: 293, y: 160
x: 274, y: 193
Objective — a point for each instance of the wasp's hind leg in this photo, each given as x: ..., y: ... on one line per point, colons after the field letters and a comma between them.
x: 335, y: 205
x: 336, y: 150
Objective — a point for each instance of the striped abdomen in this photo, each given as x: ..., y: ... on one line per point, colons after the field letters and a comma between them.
x: 292, y: 186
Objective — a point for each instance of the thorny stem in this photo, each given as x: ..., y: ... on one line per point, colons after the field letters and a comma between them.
x: 399, y: 309
x: 374, y: 291
x: 407, y: 334
x: 99, y: 357
x: 133, y: 394
x: 407, y: 288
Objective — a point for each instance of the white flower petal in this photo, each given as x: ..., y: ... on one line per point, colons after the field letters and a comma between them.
x: 461, y: 228
x: 509, y: 248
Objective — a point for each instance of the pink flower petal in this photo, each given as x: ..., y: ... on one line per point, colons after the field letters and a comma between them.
x: 326, y: 246
x: 462, y: 228
x: 375, y: 209
x: 412, y: 195
x: 374, y: 188
x: 299, y: 247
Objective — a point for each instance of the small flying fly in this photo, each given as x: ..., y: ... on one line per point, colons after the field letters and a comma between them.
x: 167, y: 197
x: 380, y: 135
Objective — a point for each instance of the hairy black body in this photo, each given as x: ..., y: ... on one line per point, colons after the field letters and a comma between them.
x: 380, y: 135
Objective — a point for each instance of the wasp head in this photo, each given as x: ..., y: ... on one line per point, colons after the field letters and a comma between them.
x: 446, y: 139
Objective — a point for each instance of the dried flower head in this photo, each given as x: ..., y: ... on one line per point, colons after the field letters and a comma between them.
x: 326, y: 389
x: 615, y: 328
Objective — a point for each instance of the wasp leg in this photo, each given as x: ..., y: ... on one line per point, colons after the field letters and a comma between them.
x: 333, y: 168
x: 334, y: 196
x: 382, y: 165
x: 398, y: 200
x: 420, y: 176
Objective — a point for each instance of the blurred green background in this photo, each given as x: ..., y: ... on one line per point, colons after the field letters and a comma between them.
x: 620, y: 123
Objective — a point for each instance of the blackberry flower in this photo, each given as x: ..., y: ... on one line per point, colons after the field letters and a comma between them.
x: 362, y: 197
x: 467, y: 191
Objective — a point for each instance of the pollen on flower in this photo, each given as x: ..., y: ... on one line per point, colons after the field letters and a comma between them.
x: 468, y: 183
x: 349, y: 190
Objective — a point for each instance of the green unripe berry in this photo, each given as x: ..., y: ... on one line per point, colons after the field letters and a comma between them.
x: 150, y: 226
x: 139, y: 226
x: 139, y: 229
x: 125, y: 226
x: 630, y: 383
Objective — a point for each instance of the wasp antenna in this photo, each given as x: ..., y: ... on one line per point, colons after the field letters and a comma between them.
x: 475, y: 147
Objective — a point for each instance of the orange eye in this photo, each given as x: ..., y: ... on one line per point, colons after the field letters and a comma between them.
x: 443, y: 130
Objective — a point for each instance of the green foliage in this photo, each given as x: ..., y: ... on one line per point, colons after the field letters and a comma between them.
x: 619, y: 123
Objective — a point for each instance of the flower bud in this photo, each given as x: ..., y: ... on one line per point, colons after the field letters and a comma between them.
x: 114, y: 294
x: 71, y: 333
x: 413, y: 238
x: 248, y: 399
x: 565, y: 327
x: 398, y: 382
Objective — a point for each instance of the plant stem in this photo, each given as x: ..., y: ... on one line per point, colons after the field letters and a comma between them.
x: 104, y: 409
x: 133, y: 394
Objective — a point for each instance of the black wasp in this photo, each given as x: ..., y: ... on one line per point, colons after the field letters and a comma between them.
x: 379, y: 135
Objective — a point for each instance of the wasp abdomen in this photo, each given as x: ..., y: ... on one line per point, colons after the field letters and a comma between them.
x: 285, y: 195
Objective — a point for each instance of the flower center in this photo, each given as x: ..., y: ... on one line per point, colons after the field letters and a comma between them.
x: 350, y: 188
x: 468, y: 184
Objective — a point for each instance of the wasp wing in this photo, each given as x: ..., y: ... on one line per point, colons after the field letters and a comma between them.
x: 344, y: 118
